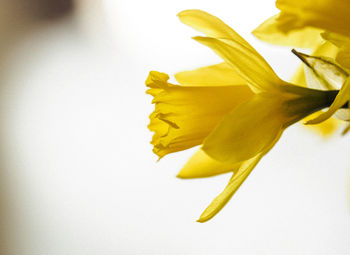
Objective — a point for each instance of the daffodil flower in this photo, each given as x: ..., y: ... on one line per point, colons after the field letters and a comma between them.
x: 236, y: 110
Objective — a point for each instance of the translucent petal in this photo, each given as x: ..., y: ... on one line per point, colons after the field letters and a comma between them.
x: 235, y: 182
x: 322, y: 72
x: 215, y: 75
x: 248, y: 65
x: 211, y: 26
x: 201, y: 165
x: 326, y: 49
x: 314, y: 81
x: 184, y: 116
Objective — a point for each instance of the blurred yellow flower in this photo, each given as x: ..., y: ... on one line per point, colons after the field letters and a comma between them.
x: 299, y: 16
x: 237, y: 109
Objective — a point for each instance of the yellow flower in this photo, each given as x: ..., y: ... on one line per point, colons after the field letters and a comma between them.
x: 237, y: 110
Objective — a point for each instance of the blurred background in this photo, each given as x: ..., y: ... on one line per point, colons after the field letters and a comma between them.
x: 77, y: 171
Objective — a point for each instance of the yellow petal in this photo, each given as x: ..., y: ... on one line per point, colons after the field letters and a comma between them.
x: 341, y: 99
x: 184, y: 116
x: 268, y: 31
x: 201, y: 165
x: 211, y: 26
x: 247, y: 130
x: 235, y: 182
x: 215, y: 75
x: 253, y: 68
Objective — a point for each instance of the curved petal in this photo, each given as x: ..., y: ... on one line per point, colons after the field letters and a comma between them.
x: 235, y: 182
x: 215, y: 75
x: 211, y: 26
x: 248, y: 65
x: 184, y: 116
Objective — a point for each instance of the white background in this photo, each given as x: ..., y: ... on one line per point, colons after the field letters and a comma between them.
x: 78, y: 173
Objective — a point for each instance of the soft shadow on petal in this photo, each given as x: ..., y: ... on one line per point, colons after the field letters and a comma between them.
x: 247, y: 130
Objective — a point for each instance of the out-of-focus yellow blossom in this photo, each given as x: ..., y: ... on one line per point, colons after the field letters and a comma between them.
x: 237, y: 110
x: 307, y: 24
x: 343, y: 44
x: 327, y: 15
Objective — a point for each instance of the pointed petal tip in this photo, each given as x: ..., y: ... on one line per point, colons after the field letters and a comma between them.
x: 185, y: 174
x: 199, y: 38
x: 181, y: 176
x: 204, y: 218
x: 180, y: 14
x: 200, y: 220
x: 317, y: 120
